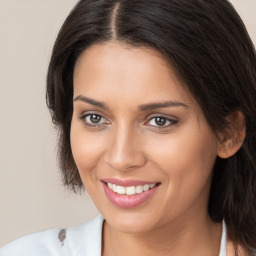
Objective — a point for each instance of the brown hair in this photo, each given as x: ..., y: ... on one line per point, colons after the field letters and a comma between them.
x: 208, y: 45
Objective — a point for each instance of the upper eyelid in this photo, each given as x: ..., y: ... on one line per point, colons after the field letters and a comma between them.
x: 81, y: 110
x: 86, y: 113
x: 169, y: 117
x: 156, y: 114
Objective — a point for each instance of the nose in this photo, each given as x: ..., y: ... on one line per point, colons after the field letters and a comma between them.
x: 125, y: 151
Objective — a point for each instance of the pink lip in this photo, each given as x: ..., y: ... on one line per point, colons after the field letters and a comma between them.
x: 125, y: 201
x: 127, y: 183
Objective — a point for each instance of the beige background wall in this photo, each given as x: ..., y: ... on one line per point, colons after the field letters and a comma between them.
x: 31, y: 195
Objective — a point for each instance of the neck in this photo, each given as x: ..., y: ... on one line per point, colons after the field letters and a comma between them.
x: 193, y: 236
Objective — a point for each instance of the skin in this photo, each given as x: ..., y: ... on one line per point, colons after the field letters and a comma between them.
x: 128, y: 143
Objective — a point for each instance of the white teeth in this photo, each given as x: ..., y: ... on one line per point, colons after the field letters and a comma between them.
x: 120, y: 190
x: 152, y: 185
x: 132, y: 190
x: 146, y: 187
x: 139, y: 189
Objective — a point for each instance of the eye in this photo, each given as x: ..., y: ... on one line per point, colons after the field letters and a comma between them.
x: 161, y: 121
x: 94, y: 120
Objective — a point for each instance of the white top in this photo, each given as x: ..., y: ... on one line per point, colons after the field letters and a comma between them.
x: 82, y: 240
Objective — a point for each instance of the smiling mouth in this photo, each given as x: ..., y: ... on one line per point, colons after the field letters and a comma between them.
x: 128, y: 193
x: 131, y: 190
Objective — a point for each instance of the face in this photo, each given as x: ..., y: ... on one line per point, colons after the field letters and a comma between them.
x: 142, y: 146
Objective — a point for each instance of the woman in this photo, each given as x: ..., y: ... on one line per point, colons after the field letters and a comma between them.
x: 155, y: 102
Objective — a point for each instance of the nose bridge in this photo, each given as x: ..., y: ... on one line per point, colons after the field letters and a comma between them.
x: 124, y: 149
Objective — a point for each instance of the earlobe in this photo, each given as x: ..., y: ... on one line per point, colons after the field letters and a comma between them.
x: 233, y: 137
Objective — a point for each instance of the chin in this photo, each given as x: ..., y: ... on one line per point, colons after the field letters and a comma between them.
x: 130, y: 222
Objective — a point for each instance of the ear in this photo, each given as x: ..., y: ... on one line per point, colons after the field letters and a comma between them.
x: 233, y: 137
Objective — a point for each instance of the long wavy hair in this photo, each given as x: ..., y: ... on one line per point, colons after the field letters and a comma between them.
x: 207, y: 44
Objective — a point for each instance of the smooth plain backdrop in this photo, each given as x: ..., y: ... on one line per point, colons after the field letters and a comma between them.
x: 32, y: 197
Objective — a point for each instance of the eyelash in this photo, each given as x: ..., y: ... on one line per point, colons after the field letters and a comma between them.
x: 171, y: 122
x: 95, y: 125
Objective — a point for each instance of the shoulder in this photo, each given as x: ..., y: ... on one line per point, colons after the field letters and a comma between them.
x: 84, y: 239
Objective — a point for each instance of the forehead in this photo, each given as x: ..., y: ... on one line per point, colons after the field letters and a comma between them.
x: 115, y: 69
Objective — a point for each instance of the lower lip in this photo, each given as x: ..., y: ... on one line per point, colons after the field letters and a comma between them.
x: 125, y: 201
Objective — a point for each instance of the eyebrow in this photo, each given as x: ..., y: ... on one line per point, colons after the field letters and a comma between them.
x: 143, y: 107
x: 166, y: 104
x: 90, y: 101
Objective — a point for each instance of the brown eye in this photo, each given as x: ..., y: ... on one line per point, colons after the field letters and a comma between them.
x: 161, y: 121
x: 94, y: 120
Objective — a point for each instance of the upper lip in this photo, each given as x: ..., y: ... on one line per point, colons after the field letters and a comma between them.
x: 127, y: 183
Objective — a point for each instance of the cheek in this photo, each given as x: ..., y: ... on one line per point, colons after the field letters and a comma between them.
x: 186, y: 163
x: 185, y: 158
x: 87, y: 149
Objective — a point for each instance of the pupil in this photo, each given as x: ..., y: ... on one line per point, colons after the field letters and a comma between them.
x: 95, y: 119
x: 160, y: 121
